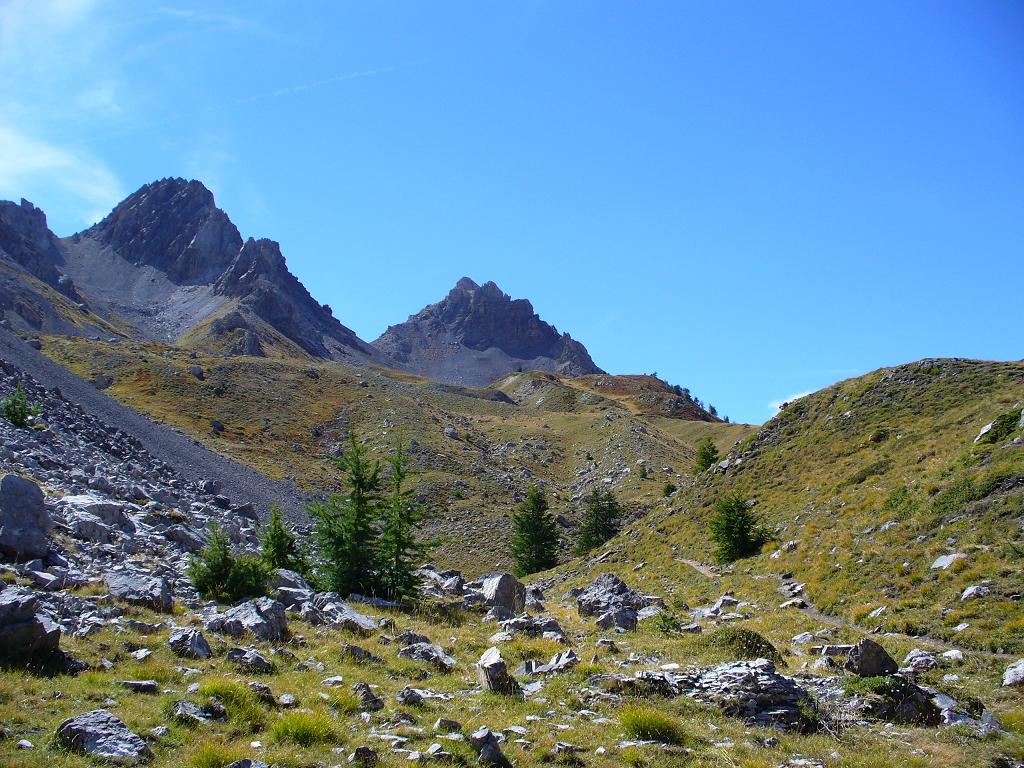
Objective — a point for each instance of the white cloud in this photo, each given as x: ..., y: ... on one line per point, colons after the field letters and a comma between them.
x: 776, y: 405
x: 25, y: 161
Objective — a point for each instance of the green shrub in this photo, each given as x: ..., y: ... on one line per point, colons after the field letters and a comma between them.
x: 669, y: 489
x: 707, y: 454
x: 17, y: 409
x: 534, y: 535
x: 304, y: 729
x: 214, y: 754
x: 739, y: 643
x: 1004, y: 426
x: 245, y: 712
x: 648, y: 724
x: 279, y: 548
x: 735, y: 529
x: 217, y: 572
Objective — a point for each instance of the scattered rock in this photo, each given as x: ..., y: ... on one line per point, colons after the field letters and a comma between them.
x: 189, y: 643
x: 139, y: 589
x: 868, y: 659
x: 492, y: 674
x: 24, y: 521
x: 263, y: 617
x: 24, y: 630
x: 101, y: 735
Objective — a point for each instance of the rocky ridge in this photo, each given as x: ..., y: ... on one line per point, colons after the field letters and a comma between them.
x: 477, y: 334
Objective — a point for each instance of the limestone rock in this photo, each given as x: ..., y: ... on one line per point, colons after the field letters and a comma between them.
x: 24, y: 521
x: 868, y: 659
x: 492, y: 674
x: 138, y: 589
x: 101, y: 735
x: 189, y: 643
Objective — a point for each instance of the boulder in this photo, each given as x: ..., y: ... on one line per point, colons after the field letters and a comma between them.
x: 263, y: 617
x: 368, y: 700
x: 364, y: 756
x: 492, y: 674
x: 975, y: 592
x: 138, y: 589
x: 920, y: 661
x: 24, y: 631
x: 868, y: 659
x: 250, y: 660
x: 619, y: 618
x: 282, y: 577
x: 945, y: 561
x: 501, y: 590
x: 101, y: 735
x: 430, y: 653
x: 608, y: 594
x: 110, y: 512
x: 1014, y: 675
x: 486, y: 745
x: 24, y: 521
x: 189, y: 643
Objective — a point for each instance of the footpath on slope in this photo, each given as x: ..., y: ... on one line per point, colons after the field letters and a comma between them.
x: 816, y: 613
x: 192, y: 461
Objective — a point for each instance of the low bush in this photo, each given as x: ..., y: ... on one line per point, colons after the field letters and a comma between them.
x: 650, y: 724
x: 304, y: 729
x: 739, y: 643
x: 17, y: 409
x: 218, y: 572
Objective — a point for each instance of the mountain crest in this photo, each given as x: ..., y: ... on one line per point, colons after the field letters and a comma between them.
x: 478, y: 333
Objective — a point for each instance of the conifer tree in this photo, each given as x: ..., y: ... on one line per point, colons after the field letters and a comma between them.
x: 401, y: 550
x: 279, y: 548
x: 534, y: 535
x: 707, y: 454
x: 219, y: 573
x: 346, y: 525
x: 600, y: 520
x: 735, y: 529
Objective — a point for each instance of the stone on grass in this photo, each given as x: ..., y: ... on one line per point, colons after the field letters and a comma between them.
x: 1013, y: 677
x: 189, y: 643
x: 263, y: 617
x: 868, y: 659
x: 492, y: 674
x: 430, y: 653
x: 24, y: 630
x: 486, y: 745
x: 102, y: 735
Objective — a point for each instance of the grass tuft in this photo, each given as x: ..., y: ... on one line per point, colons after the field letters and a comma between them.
x: 652, y: 725
x: 304, y: 729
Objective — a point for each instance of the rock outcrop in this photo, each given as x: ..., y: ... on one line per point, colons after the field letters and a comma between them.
x: 24, y: 521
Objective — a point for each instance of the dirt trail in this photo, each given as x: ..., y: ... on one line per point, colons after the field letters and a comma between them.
x: 837, y: 621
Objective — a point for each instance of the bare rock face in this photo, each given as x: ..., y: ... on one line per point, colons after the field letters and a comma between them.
x: 27, y: 240
x: 477, y: 334
x: 24, y: 521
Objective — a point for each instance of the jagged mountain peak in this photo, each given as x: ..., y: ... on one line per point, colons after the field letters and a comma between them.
x: 478, y: 333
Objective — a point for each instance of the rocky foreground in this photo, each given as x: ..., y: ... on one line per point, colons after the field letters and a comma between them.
x: 109, y: 653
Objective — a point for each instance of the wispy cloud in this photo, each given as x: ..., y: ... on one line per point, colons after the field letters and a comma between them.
x: 209, y: 18
x: 25, y: 159
x: 776, y: 405
x: 315, y: 84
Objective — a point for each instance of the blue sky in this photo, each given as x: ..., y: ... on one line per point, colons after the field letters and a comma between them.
x: 752, y: 199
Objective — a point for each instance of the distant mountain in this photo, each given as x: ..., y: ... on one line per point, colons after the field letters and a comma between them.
x: 477, y: 334
x: 168, y: 265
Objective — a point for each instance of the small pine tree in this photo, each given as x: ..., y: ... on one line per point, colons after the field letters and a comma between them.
x: 534, y: 535
x: 600, y: 521
x: 735, y: 529
x: 707, y: 454
x: 669, y: 489
x: 279, y: 548
x: 218, y: 573
x: 643, y: 472
x: 346, y: 525
x: 17, y: 409
x: 400, y: 549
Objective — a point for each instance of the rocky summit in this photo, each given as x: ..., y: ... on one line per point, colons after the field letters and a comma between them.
x: 477, y: 334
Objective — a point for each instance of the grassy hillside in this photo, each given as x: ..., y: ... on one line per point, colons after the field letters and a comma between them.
x: 477, y: 450
x: 864, y: 485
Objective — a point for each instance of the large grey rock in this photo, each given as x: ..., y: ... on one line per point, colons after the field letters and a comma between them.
x: 1014, y: 675
x: 24, y: 631
x: 189, y: 642
x: 607, y: 594
x: 868, y: 659
x: 110, y: 512
x: 250, y: 660
x: 430, y: 653
x: 263, y: 617
x: 752, y: 690
x: 486, y: 745
x: 138, y: 589
x: 282, y: 577
x: 101, y: 735
x: 501, y: 590
x: 492, y: 674
x: 368, y: 700
x: 24, y: 521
